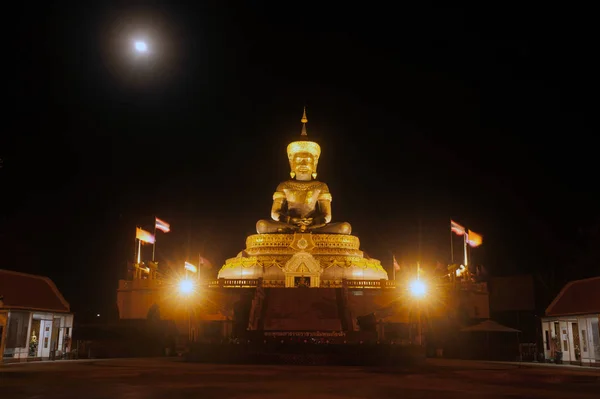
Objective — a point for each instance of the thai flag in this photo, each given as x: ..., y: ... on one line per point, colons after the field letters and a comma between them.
x: 162, y: 225
x: 205, y: 263
x: 457, y: 228
x: 396, y: 264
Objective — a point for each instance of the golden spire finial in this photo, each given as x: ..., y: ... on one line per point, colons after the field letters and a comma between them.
x: 304, y: 120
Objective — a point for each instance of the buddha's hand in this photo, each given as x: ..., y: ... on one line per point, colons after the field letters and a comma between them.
x: 306, y: 221
x: 301, y: 221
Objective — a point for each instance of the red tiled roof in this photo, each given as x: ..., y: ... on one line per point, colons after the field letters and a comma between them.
x: 577, y: 297
x: 28, y: 291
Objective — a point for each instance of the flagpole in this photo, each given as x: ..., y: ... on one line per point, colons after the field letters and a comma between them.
x: 420, y: 238
x: 139, y: 254
x: 154, y: 244
x: 451, y: 246
x: 466, y: 235
x: 135, y: 246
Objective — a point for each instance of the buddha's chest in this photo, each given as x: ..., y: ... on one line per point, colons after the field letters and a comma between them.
x: 302, y: 198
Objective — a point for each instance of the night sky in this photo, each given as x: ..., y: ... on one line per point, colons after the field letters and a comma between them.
x: 484, y: 116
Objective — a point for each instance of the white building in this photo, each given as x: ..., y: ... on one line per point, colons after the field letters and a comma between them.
x: 571, y: 324
x: 35, y: 320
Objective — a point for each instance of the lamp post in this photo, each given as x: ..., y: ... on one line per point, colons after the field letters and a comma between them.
x: 418, y: 290
x: 186, y: 288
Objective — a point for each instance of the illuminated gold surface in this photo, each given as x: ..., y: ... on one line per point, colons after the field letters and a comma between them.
x: 338, y: 255
x: 265, y: 243
x: 304, y: 120
x: 302, y: 204
x: 310, y: 147
x: 299, y: 240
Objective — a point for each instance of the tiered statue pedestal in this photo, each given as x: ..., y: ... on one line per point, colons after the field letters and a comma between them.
x: 303, y: 260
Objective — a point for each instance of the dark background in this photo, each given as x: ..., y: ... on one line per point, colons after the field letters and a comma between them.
x: 485, y: 116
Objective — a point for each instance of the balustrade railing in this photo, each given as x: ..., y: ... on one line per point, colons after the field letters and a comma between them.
x: 137, y: 284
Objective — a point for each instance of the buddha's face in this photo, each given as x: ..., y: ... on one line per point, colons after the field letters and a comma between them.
x: 303, y: 164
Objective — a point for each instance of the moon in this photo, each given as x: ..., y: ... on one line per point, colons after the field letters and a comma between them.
x: 141, y: 46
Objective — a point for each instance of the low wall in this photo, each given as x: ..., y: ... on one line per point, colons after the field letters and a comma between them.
x: 308, y: 354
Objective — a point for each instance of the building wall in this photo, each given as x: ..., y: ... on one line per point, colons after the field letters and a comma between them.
x: 476, y: 304
x: 49, y: 329
x: 136, y: 297
x: 16, y: 345
x: 52, y: 330
x: 577, y: 337
x: 468, y: 302
x: 3, y: 322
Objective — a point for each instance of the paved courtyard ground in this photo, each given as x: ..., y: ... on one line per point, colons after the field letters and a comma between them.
x: 173, y: 379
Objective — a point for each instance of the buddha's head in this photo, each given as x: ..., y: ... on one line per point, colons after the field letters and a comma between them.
x: 303, y: 157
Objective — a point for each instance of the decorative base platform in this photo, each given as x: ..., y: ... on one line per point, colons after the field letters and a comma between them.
x: 302, y: 260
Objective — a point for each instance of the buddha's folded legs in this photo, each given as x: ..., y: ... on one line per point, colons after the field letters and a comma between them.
x: 333, y: 228
x: 266, y: 226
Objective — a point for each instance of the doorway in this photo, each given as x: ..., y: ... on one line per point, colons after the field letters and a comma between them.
x: 302, y: 281
x: 44, y: 341
x: 34, y: 338
x: 576, y: 347
x: 54, y: 337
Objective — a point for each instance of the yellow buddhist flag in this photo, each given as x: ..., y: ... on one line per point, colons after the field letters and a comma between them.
x: 474, y: 239
x: 144, y: 235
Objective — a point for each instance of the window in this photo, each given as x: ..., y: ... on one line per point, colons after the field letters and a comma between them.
x: 584, y: 338
x: 594, y: 343
x: 18, y: 323
x: 547, y: 340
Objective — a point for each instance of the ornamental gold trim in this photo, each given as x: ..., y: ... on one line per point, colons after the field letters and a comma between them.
x: 334, y: 252
x: 314, y: 251
x: 311, y: 147
x: 320, y: 241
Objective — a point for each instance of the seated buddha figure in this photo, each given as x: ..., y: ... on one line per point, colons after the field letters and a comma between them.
x: 302, y: 204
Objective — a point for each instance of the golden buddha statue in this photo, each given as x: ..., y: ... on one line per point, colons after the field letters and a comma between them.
x: 302, y: 204
x: 299, y: 246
